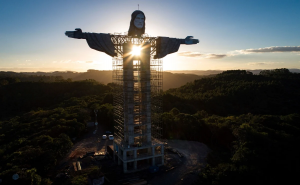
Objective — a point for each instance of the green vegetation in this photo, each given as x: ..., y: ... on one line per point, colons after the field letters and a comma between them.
x: 38, y: 121
x: 249, y: 121
x: 238, y: 92
x: 247, y: 149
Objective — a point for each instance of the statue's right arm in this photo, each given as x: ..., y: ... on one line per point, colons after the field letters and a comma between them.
x: 78, y: 34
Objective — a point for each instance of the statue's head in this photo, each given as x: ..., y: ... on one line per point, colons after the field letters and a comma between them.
x: 137, y: 24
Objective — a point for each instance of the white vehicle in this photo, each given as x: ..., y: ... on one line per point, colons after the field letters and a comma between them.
x: 104, y: 137
x: 111, y: 137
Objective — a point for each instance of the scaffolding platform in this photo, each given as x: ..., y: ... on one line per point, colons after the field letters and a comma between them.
x: 137, y: 103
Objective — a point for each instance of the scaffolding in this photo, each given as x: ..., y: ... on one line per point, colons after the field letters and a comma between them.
x: 137, y: 101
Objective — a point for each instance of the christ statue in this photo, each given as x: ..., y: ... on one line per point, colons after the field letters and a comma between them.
x: 104, y: 42
x: 137, y: 75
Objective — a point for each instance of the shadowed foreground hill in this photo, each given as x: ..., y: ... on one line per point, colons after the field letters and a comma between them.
x: 251, y: 122
x: 38, y: 120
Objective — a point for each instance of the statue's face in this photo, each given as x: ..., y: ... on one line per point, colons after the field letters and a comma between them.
x: 139, y: 21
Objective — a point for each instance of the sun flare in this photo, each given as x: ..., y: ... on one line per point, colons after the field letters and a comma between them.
x: 136, y: 50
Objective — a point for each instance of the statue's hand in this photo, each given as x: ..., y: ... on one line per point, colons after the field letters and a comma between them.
x: 75, y: 34
x: 190, y: 40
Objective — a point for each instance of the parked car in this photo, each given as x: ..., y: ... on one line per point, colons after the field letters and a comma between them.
x: 104, y: 137
x: 108, y: 132
x: 111, y: 137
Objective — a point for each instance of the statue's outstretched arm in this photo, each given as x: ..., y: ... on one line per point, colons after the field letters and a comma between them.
x: 189, y: 40
x: 78, y: 34
x: 98, y: 41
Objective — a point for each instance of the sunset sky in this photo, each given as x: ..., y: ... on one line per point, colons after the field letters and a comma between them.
x: 233, y: 34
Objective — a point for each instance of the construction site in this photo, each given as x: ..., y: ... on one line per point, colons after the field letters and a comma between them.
x: 137, y: 103
x: 137, y: 142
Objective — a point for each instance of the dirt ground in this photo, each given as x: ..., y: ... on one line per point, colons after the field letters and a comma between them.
x: 89, y: 143
x: 187, y: 172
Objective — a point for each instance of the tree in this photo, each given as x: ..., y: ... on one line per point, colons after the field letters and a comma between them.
x: 35, y: 178
x: 62, y: 144
x: 174, y: 111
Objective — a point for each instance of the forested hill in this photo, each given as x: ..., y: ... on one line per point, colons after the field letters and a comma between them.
x: 251, y: 122
x: 20, y: 97
x: 170, y: 80
x: 38, y: 120
x: 239, y: 92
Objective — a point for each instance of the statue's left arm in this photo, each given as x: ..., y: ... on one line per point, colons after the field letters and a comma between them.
x: 189, y: 40
x: 166, y: 45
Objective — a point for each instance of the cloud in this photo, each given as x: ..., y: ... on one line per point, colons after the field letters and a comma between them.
x: 61, y: 62
x: 25, y: 64
x: 200, y: 55
x: 190, y: 54
x: 263, y: 63
x: 257, y: 63
x: 272, y: 49
x: 72, y: 62
x: 80, y: 62
x: 215, y: 56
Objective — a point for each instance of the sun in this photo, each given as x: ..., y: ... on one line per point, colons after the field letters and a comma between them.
x: 136, y: 50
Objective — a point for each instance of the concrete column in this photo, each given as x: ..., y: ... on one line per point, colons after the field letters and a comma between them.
x: 153, y: 153
x: 163, y: 155
x: 135, y: 165
x: 149, y: 131
x: 125, y: 167
x: 128, y: 90
x: 119, y: 161
x: 135, y: 153
x: 124, y: 155
x: 145, y: 85
x: 114, y: 156
x: 119, y: 156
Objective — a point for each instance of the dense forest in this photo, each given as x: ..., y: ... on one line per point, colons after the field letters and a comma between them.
x: 249, y: 121
x: 40, y: 121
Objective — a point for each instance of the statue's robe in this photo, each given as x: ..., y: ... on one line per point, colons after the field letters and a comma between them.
x: 102, y: 42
